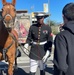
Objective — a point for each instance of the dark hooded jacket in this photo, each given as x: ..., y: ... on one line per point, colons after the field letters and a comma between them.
x: 64, y: 51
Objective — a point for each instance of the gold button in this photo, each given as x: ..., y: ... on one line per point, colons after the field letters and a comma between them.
x: 38, y: 37
x: 39, y: 33
x: 39, y: 27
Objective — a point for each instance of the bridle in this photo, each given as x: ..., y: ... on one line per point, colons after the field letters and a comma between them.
x: 9, y: 24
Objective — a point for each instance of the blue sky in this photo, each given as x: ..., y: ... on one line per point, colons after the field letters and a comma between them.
x: 55, y: 7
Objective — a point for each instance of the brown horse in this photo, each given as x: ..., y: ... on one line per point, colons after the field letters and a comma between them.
x: 8, y: 44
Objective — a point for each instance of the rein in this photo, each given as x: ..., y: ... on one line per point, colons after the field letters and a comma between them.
x: 28, y: 51
x: 22, y: 46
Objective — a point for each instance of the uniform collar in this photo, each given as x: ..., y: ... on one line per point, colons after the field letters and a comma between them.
x: 40, y: 25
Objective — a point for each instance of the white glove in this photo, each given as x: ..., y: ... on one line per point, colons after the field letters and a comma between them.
x: 46, y: 56
x: 26, y: 47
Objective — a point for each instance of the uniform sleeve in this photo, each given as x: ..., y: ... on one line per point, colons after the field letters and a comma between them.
x: 29, y: 37
x: 60, y: 54
x: 49, y: 39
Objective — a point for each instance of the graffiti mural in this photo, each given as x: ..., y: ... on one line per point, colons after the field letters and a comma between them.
x: 23, y: 23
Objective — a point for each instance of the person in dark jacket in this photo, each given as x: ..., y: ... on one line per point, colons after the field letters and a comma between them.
x: 64, y: 44
x: 41, y: 44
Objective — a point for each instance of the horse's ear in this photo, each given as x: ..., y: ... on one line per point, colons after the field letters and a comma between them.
x: 3, y: 2
x: 14, y: 2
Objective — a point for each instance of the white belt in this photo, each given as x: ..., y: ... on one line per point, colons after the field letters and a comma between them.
x: 40, y: 43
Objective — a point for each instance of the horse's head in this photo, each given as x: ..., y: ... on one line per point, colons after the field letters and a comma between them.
x: 8, y: 13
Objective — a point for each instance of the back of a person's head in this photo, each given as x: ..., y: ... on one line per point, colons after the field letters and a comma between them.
x: 68, y: 11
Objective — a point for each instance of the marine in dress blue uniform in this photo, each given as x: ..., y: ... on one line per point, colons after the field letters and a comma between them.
x: 41, y: 44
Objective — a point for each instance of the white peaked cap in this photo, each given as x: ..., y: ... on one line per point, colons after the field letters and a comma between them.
x: 40, y: 14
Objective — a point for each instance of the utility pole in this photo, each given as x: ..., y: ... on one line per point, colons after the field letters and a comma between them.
x: 49, y: 12
x: 48, y: 6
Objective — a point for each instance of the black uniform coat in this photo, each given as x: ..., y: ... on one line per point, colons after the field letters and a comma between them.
x: 39, y: 33
x: 64, y: 51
